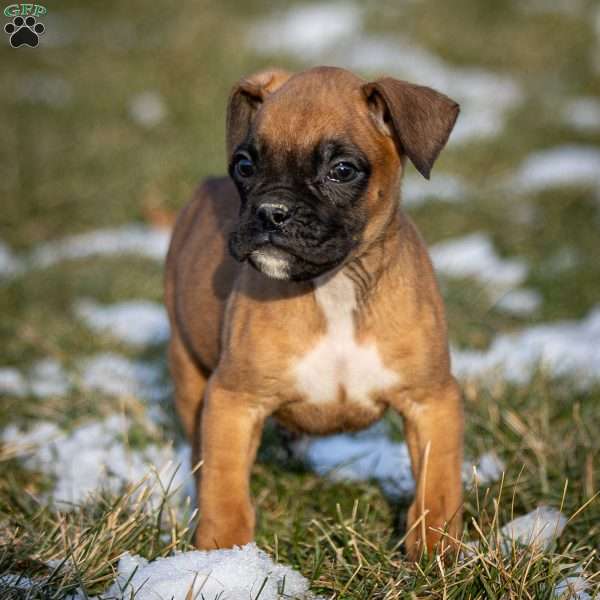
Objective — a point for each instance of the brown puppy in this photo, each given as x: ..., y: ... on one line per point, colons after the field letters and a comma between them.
x: 330, y: 313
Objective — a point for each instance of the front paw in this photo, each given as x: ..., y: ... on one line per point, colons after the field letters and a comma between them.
x: 433, y: 533
x: 225, y: 531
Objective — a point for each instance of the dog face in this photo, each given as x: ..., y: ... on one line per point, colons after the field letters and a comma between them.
x: 317, y: 157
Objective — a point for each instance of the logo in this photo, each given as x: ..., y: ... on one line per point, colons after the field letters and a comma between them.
x: 25, y: 28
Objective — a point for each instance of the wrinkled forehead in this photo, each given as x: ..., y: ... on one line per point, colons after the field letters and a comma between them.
x: 306, y: 111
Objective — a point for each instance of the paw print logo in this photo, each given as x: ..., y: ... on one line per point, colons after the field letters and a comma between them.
x: 24, y: 31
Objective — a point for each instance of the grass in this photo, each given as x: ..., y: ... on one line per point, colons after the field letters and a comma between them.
x: 87, y: 164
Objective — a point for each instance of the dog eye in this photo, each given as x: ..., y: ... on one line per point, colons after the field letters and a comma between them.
x: 342, y: 172
x: 244, y: 167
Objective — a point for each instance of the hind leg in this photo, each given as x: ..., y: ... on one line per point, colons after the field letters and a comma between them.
x: 190, y: 384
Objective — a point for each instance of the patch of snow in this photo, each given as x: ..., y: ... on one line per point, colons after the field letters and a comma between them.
x: 477, y: 124
x: 562, y: 348
x: 48, y: 378
x: 10, y: 265
x: 400, y: 57
x: 147, y: 109
x: 237, y: 574
x: 489, y: 468
x: 94, y: 457
x: 133, y: 239
x: 137, y: 322
x: 331, y: 33
x: 45, y: 378
x: 474, y: 256
x: 43, y: 433
x: 573, y: 588
x: 396, y: 56
x: 42, y: 88
x: 539, y: 528
x: 583, y: 114
x: 364, y: 456
x: 306, y: 30
x: 18, y: 582
x: 116, y: 375
x: 12, y: 382
x: 442, y: 187
x: 520, y: 302
x: 559, y: 167
x: 371, y: 455
x: 485, y: 97
x: 109, y: 373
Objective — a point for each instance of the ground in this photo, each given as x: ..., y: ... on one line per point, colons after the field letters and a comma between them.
x: 109, y: 124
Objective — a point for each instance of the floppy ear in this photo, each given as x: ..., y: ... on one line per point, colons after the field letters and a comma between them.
x: 246, y: 97
x: 418, y: 118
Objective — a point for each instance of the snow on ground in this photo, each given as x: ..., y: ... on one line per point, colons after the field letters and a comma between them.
x: 116, y: 375
x: 539, y: 528
x: 110, y: 373
x: 489, y: 468
x: 368, y: 455
x: 583, y: 114
x: 307, y: 30
x: 96, y: 456
x: 134, y: 239
x: 371, y: 455
x: 521, y: 302
x: 12, y: 382
x: 147, y: 109
x: 137, y: 322
x: 48, y: 378
x: 442, y: 187
x: 16, y: 582
x: 561, y: 166
x: 10, y: 265
x: 573, y: 587
x: 332, y: 33
x: 562, y: 348
x: 474, y: 256
x: 237, y: 574
x: 44, y: 379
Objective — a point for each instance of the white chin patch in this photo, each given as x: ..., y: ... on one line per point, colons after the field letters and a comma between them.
x: 272, y: 262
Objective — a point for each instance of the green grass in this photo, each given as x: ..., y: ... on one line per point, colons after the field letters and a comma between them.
x: 86, y: 165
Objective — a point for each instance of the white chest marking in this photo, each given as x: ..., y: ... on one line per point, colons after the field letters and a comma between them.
x: 338, y: 359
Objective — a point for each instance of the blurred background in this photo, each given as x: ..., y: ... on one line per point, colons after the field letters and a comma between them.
x: 119, y: 112
x: 112, y: 120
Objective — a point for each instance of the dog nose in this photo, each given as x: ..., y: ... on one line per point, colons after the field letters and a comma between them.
x: 273, y: 215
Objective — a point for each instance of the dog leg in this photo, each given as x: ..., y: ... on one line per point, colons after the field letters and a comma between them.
x: 189, y: 382
x: 231, y: 430
x: 434, y: 433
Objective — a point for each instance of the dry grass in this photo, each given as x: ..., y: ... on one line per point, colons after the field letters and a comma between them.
x: 87, y: 165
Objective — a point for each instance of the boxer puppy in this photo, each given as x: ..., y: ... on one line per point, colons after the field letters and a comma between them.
x: 297, y: 288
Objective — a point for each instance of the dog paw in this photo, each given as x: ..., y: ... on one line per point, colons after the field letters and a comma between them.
x: 24, y: 31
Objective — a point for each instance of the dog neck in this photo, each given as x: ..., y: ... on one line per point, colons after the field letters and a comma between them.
x: 366, y: 268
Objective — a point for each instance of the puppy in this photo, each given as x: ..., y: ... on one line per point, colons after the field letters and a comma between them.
x: 297, y: 288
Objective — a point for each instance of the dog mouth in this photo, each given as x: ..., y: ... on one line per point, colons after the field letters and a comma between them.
x: 272, y: 254
x: 272, y: 261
